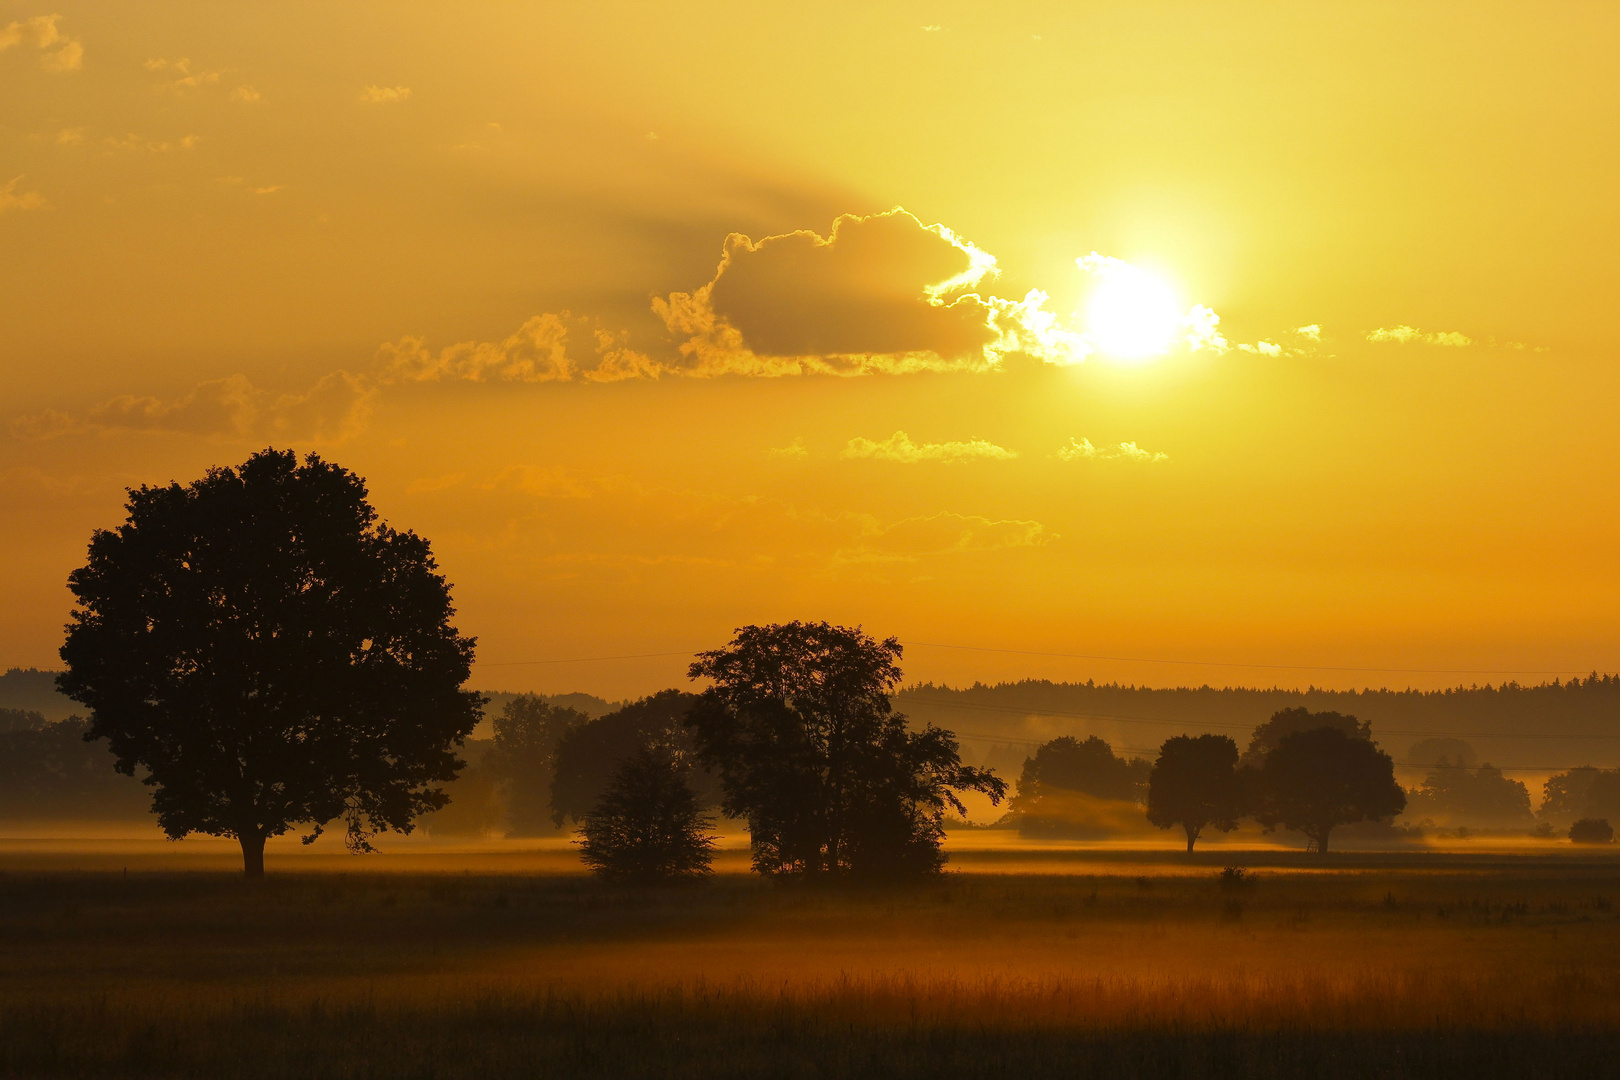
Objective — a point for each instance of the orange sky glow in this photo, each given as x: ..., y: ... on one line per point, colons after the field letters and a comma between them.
x: 1275, y: 340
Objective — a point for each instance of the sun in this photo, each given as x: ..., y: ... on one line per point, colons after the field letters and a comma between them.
x: 1131, y: 313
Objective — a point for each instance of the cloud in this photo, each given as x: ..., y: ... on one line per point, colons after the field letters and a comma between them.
x: 12, y: 199
x: 1262, y: 348
x: 70, y: 136
x: 140, y: 144
x: 335, y: 408
x: 185, y: 79
x: 795, y: 450
x: 247, y: 94
x: 899, y: 447
x: 384, y: 95
x: 1312, y: 332
x: 938, y: 534
x: 878, y: 293
x: 1083, y: 450
x: 269, y: 189
x: 42, y: 33
x: 1403, y: 334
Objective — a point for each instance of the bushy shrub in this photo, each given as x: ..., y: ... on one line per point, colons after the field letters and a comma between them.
x: 1592, y: 831
x: 649, y: 826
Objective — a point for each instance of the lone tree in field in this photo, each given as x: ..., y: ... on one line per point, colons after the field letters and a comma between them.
x: 1194, y: 784
x: 799, y: 724
x: 272, y: 655
x: 1317, y: 780
x: 648, y: 826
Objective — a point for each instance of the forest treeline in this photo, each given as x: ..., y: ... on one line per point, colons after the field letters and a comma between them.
x: 1557, y: 723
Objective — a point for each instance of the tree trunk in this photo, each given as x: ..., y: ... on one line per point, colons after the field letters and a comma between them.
x: 1192, y: 835
x: 252, y: 856
x: 1321, y: 840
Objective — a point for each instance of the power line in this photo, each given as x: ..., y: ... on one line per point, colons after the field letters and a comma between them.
x: 580, y: 659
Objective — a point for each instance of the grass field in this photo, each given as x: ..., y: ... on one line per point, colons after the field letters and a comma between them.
x: 1127, y: 964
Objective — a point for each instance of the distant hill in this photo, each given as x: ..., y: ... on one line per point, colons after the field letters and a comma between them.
x: 1553, y: 725
x: 34, y: 690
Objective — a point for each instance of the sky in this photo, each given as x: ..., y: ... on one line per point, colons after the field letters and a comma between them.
x: 1163, y: 342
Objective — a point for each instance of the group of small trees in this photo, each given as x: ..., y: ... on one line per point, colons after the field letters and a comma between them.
x: 1297, y: 773
x: 1068, y: 786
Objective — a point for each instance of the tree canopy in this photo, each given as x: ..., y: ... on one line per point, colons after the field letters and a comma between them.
x: 798, y: 722
x: 1194, y: 784
x: 1063, y: 784
x: 523, y: 758
x: 1269, y: 735
x: 1319, y: 779
x: 588, y: 755
x: 1481, y: 797
x: 272, y: 654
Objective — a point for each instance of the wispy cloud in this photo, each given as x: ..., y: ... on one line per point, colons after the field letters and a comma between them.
x: 12, y: 199
x: 1403, y: 334
x: 246, y: 94
x: 384, y: 95
x: 184, y: 77
x: 58, y: 52
x: 1083, y: 450
x: 899, y: 447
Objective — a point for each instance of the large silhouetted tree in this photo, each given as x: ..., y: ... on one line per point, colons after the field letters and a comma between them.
x: 799, y: 724
x: 272, y: 654
x: 1194, y: 784
x: 648, y: 825
x: 1317, y: 780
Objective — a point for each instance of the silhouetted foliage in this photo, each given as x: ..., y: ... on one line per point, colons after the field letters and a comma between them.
x: 1316, y: 780
x: 1592, y: 831
x: 1063, y: 782
x: 1481, y: 797
x: 1580, y: 793
x: 20, y: 720
x: 1269, y: 735
x: 50, y: 771
x: 648, y: 825
x: 589, y: 754
x: 1194, y: 784
x: 1441, y: 751
x: 799, y: 724
x: 272, y: 654
x: 522, y: 759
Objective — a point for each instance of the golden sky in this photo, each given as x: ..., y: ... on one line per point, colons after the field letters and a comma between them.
x: 1259, y: 334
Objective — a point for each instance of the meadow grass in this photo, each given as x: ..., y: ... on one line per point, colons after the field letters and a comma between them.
x: 1389, y: 966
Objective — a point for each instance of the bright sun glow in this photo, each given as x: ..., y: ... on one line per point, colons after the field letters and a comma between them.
x: 1132, y: 314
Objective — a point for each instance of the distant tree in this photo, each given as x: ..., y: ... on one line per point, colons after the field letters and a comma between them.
x: 20, y: 720
x: 799, y: 724
x: 589, y: 754
x: 1316, y: 780
x: 648, y: 825
x: 1194, y: 784
x: 1592, y: 831
x: 51, y: 772
x: 527, y: 733
x: 1481, y: 797
x: 1581, y: 793
x: 1269, y: 735
x: 1452, y: 752
x: 272, y: 655
x: 1065, y: 780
